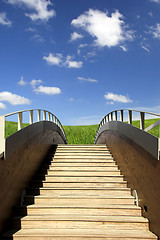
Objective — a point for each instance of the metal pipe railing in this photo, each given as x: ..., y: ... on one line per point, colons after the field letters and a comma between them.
x: 51, y: 117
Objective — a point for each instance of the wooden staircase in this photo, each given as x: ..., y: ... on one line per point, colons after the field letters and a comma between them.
x: 82, y: 196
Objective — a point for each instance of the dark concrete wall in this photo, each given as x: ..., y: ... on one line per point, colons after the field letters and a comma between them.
x: 141, y: 170
x: 25, y: 150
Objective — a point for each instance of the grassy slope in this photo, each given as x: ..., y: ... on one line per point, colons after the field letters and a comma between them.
x: 80, y: 134
x: 83, y: 134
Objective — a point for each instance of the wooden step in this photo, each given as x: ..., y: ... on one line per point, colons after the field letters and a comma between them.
x: 74, y: 200
x: 83, y: 168
x: 77, y: 234
x: 80, y: 195
x: 110, y: 209
x: 82, y: 146
x: 82, y: 154
x: 68, y: 151
x: 82, y: 164
x: 80, y: 191
x: 82, y: 221
x: 84, y: 178
x: 82, y: 173
x: 77, y: 160
x: 122, y: 184
x: 89, y: 157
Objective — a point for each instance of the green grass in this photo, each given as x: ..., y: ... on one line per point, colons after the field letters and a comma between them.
x: 12, y: 127
x: 155, y: 131
x: 82, y: 134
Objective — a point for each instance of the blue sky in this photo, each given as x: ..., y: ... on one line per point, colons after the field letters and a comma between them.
x: 79, y: 59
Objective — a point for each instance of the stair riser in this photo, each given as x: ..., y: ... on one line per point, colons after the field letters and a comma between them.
x: 92, y: 151
x: 79, y: 173
x: 81, y: 159
x: 84, y: 185
x: 83, y: 164
x: 81, y: 224
x: 84, y: 179
x: 77, y: 238
x: 79, y: 155
x: 94, y: 211
x: 72, y: 201
x: 70, y: 168
x: 81, y: 192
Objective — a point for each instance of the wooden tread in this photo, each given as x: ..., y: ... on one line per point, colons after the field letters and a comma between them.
x: 80, y: 194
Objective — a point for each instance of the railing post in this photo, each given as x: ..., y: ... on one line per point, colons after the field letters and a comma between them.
x: 142, y: 120
x: 130, y: 116
x: 31, y: 117
x: 111, y: 116
x: 39, y: 115
x: 121, y: 115
x: 44, y: 115
x: 116, y: 116
x: 49, y: 116
x: 108, y: 117
x: 20, y: 116
x: 2, y: 134
x: 105, y: 119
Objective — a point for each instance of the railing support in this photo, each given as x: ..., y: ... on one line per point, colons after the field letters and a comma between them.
x: 121, y: 115
x: 49, y: 116
x: 20, y: 116
x: 130, y: 117
x: 44, y: 115
x: 111, y: 116
x: 39, y: 115
x: 2, y: 134
x: 142, y: 120
x: 31, y: 117
x: 116, y: 116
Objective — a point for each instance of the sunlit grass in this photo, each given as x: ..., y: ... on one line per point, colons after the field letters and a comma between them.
x: 82, y: 134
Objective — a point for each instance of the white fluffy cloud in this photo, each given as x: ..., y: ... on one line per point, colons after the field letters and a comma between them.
x: 35, y: 82
x: 117, y: 98
x: 75, y: 36
x: 48, y: 90
x: 40, y: 8
x: 13, y: 99
x: 72, y: 64
x: 2, y: 105
x: 106, y: 30
x: 156, y: 1
x: 54, y: 59
x: 91, y: 80
x: 38, y: 38
x: 22, y: 82
x: 59, y: 60
x: 155, y: 31
x: 123, y: 48
x: 4, y: 20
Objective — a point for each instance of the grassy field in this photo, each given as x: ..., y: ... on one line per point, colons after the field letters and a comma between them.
x: 82, y: 134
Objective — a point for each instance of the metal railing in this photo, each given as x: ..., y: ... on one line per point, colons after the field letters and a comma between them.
x: 113, y: 116
x: 47, y: 116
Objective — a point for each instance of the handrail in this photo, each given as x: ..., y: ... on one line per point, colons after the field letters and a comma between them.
x: 109, y: 117
x: 51, y: 117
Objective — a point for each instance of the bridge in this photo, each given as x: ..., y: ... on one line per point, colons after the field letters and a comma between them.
x: 52, y: 190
